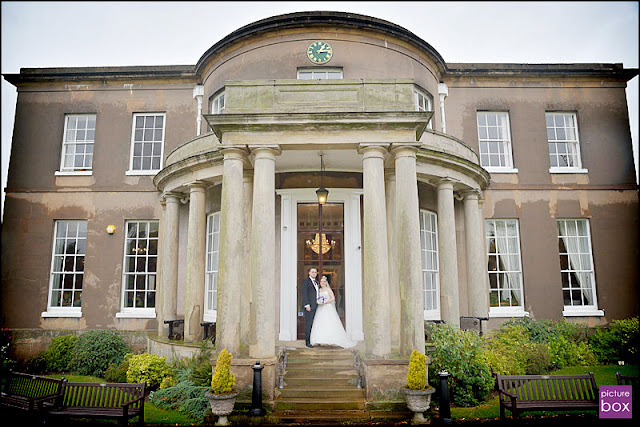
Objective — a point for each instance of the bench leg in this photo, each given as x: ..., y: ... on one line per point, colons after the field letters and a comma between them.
x: 502, y: 416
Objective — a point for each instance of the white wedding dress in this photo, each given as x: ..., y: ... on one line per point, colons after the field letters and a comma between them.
x: 327, y: 328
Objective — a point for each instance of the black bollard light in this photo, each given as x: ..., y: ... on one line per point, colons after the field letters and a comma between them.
x: 256, y: 395
x: 445, y: 408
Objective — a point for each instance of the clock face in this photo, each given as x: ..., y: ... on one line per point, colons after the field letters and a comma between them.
x: 319, y: 52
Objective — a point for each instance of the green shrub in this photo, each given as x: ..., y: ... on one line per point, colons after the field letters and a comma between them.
x: 565, y: 352
x: 185, y: 397
x: 117, y: 373
x: 507, y: 351
x: 196, y: 368
x: 461, y: 354
x: 147, y: 367
x: 417, y: 373
x: 618, y: 341
x: 95, y: 350
x: 223, y: 380
x: 539, y: 359
x: 59, y: 353
x: 35, y: 364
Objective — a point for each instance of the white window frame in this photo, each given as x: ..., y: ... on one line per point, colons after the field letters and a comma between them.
x: 429, y: 249
x: 318, y: 73
x: 574, y: 143
x: 511, y: 243
x: 67, y: 144
x: 139, y: 312
x: 578, y: 257
x: 212, y: 257
x: 132, y: 171
x: 504, y: 142
x: 423, y: 102
x: 73, y: 310
x: 217, y: 104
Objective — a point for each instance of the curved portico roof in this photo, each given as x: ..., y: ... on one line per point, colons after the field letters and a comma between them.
x: 317, y: 19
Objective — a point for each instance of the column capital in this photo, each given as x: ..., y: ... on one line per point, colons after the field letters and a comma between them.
x: 471, y: 193
x: 263, y: 151
x: 196, y: 185
x: 446, y: 183
x: 239, y: 152
x: 172, y: 195
x: 373, y: 149
x: 404, y: 149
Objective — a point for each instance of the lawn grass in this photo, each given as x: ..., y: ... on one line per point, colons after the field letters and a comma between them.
x: 604, y: 375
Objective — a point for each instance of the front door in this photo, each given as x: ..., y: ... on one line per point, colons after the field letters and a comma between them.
x: 341, y: 257
x: 320, y: 244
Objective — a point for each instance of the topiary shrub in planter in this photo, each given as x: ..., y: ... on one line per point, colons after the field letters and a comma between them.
x: 95, y: 350
x: 418, y: 393
x: 222, y: 396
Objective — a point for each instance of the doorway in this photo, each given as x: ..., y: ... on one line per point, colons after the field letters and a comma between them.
x: 343, y: 268
x: 320, y: 244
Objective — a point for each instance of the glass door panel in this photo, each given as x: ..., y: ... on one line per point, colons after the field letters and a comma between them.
x: 322, y: 249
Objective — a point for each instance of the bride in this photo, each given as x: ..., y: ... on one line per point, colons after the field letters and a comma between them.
x: 327, y: 328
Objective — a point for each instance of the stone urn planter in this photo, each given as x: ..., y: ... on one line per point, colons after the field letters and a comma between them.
x: 221, y: 405
x: 418, y: 402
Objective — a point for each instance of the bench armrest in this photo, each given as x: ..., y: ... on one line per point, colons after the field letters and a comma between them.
x: 125, y: 406
x: 508, y: 394
x: 41, y: 399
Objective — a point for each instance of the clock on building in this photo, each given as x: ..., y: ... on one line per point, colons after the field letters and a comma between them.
x: 319, y: 52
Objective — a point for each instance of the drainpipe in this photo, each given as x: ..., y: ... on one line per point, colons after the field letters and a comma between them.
x: 198, y: 93
x: 443, y: 91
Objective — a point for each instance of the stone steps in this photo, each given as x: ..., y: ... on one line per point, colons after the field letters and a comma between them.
x: 342, y: 392
x: 320, y: 384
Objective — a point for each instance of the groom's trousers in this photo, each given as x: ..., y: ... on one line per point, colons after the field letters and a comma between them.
x: 308, y: 322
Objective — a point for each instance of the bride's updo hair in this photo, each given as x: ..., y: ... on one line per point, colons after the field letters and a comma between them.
x: 326, y: 280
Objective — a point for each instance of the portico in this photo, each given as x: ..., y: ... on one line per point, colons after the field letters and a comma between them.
x: 250, y: 147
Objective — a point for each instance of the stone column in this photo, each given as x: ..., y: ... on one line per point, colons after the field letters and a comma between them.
x: 449, y: 295
x: 394, y: 290
x: 408, y: 249
x: 245, y: 308
x: 232, y: 264
x: 168, y: 289
x: 196, y: 235
x: 376, y: 314
x: 262, y: 258
x: 477, y: 290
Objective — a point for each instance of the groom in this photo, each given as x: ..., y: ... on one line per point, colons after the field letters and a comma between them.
x: 309, y: 302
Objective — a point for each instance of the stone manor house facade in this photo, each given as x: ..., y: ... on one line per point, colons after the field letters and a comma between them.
x: 140, y: 194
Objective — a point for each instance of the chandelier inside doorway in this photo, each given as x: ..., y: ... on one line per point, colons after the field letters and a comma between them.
x: 316, y: 244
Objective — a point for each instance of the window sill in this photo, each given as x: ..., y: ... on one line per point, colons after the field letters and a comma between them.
x: 507, y: 312
x: 52, y: 312
x: 73, y: 173
x: 500, y: 170
x: 142, y: 173
x: 208, y: 317
x: 582, y: 312
x: 141, y: 313
x: 568, y: 170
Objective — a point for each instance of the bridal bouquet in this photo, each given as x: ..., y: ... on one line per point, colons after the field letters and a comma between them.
x: 321, y: 300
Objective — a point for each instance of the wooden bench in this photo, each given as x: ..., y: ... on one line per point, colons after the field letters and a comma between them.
x: 173, y: 328
x: 209, y: 331
x: 520, y: 393
x: 102, y: 400
x: 31, y: 392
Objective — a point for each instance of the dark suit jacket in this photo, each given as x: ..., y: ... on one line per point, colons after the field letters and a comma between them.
x: 309, y: 294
